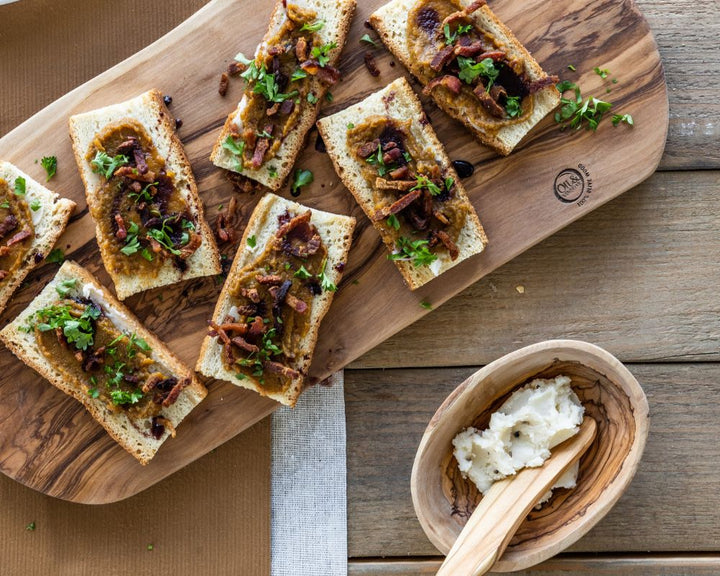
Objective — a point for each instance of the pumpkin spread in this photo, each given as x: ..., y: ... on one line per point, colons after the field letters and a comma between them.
x: 16, y: 227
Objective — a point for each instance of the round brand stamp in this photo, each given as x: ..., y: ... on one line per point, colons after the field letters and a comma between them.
x: 569, y: 185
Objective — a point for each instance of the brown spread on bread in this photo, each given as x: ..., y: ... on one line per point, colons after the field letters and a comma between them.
x: 116, y: 367
x: 16, y: 229
x: 414, y: 196
x: 143, y: 217
x: 279, y: 86
x: 463, y: 66
x: 272, y: 300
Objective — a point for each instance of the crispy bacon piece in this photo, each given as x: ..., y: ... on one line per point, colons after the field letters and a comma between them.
x: 140, y: 162
x: 287, y: 107
x: 134, y: 174
x: 369, y: 148
x: 397, y: 206
x: 402, y: 185
x: 448, y: 243
x: 537, y: 85
x: 224, y: 84
x: 392, y: 155
x: 273, y: 109
x: 399, y: 173
x: 452, y: 83
x: 474, y: 7
x: 127, y: 147
x: 371, y: 65
x: 192, y: 245
x: 235, y: 68
x: 488, y: 102
x: 8, y: 225
x: 496, y: 55
x: 497, y: 92
x: 3, y: 274
x: 257, y: 327
x: 251, y: 294
x: 300, y: 306
x: 301, y: 47
x: 121, y: 232
x: 474, y: 48
x: 243, y: 344
x: 271, y: 279
x: 440, y: 217
x: 329, y: 75
x: 152, y: 381
x: 442, y: 58
x: 94, y: 360
x: 261, y: 147
x: 175, y: 392
x: 19, y: 237
x: 227, y: 222
x: 277, y: 368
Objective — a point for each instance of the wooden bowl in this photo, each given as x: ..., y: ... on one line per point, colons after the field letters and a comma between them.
x: 444, y: 500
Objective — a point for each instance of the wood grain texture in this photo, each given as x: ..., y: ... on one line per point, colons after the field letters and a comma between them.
x: 670, y: 505
x: 638, y: 277
x: 563, y: 565
x: 365, y: 313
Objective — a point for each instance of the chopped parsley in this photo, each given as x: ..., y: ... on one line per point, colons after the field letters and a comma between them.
x: 136, y: 343
x: 320, y: 53
x: 298, y: 75
x: 264, y: 134
x: 417, y: 251
x: 56, y: 256
x: 314, y: 27
x: 627, y: 118
x: 35, y: 205
x: 123, y: 398
x: 272, y: 171
x: 325, y: 282
x: 302, y: 178
x: 78, y: 330
x: 93, y: 392
x: 20, y: 186
x: 144, y: 195
x: 50, y: 165
x: 302, y: 273
x: 470, y: 70
x: 237, y: 149
x: 512, y: 106
x: 600, y: 72
x: 350, y: 125
x: 366, y: 38
x: 266, y: 350
x: 425, y: 182
x: 103, y: 164
x: 450, y: 38
x: 425, y: 304
x: 252, y: 241
x: 263, y: 83
x: 312, y: 98
x: 329, y: 96
x: 132, y: 243
x: 65, y: 286
x: 575, y: 113
x: 393, y: 222
x: 571, y: 67
x: 5, y: 204
x: 30, y: 527
x: 376, y: 159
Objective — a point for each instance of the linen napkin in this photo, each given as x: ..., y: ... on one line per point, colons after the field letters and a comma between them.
x: 308, y: 486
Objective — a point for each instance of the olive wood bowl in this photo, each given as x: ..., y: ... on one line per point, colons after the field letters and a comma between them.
x: 444, y: 500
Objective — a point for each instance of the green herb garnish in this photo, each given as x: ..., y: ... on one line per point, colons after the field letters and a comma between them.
x: 56, y: 256
x: 393, y: 222
x: 298, y: 75
x: 35, y: 205
x: 575, y: 112
x: 122, y: 397
x: 144, y: 195
x: 103, y: 164
x: 65, y: 286
x: 450, y: 38
x: 571, y: 67
x: 30, y: 527
x: 314, y: 27
x: 302, y: 178
x: 251, y: 241
x: 350, y: 125
x: 312, y: 98
x: 324, y: 280
x: 78, y: 330
x: 50, y: 165
x: 132, y: 243
x: 20, y: 186
x: 602, y: 73
x: 512, y: 106
x: 237, y: 149
x: 366, y: 38
x: 425, y: 182
x: 416, y: 250
x: 617, y: 119
x: 320, y: 53
x: 425, y: 304
x: 470, y: 70
x: 302, y: 273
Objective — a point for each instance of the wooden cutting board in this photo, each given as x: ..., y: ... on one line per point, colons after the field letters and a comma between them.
x: 49, y: 443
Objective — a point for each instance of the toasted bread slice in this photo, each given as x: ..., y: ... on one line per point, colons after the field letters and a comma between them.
x: 337, y: 15
x: 49, y: 218
x: 133, y: 434
x: 391, y: 22
x: 336, y: 234
x: 149, y: 111
x: 398, y: 102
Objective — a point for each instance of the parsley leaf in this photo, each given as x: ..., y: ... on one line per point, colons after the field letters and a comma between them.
x: 302, y: 273
x: 425, y: 304
x: 298, y: 75
x: 64, y: 287
x: 602, y: 73
x: 575, y: 113
x: 325, y: 282
x: 450, y: 38
x: 366, y: 38
x: 56, y: 256
x: 237, y: 149
x: 350, y: 125
x: 122, y: 398
x: 50, y: 165
x: 35, y: 205
x: 312, y: 98
x: 302, y: 178
x: 103, y: 164
x: 417, y: 251
x: 320, y: 53
x: 252, y: 241
x: 425, y: 182
x: 571, y: 67
x: 77, y: 330
x: 314, y: 27
x: 470, y: 70
x: 5, y: 204
x: 512, y: 106
x: 20, y: 186
x: 393, y: 222
x: 627, y: 118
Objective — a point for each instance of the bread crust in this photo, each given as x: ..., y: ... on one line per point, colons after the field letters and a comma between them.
x: 54, y: 215
x: 390, y: 21
x: 398, y: 101
x: 118, y: 425
x: 292, y: 143
x: 150, y: 111
x: 336, y: 233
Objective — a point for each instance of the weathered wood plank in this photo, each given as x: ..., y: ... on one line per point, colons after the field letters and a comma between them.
x: 685, y: 30
x: 702, y: 565
x: 638, y: 276
x: 671, y: 505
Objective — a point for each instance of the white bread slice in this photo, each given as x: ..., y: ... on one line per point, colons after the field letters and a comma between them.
x: 150, y: 111
x: 49, y: 222
x: 398, y: 101
x: 391, y: 22
x: 336, y: 233
x: 124, y: 431
x: 337, y: 15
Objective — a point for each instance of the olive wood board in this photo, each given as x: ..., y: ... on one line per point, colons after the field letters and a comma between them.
x: 47, y: 440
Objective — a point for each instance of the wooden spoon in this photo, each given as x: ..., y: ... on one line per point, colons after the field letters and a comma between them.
x: 503, y: 508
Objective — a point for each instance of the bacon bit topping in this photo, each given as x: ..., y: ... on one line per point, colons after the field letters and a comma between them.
x: 287, y: 107
x: 448, y: 243
x: 3, y: 274
x: 399, y: 173
x: 175, y: 392
x: 537, y: 85
x: 152, y: 381
x: 296, y: 304
x: 495, y: 55
x: 402, y: 185
x: 442, y: 58
x: 140, y: 161
x: 452, y: 83
x: 392, y: 155
x: 397, y: 206
x: 193, y: 244
x: 261, y: 147
x: 299, y: 237
x: 94, y: 360
x: 251, y: 294
x: 371, y: 65
x: 277, y: 368
x: 273, y: 109
x: 8, y: 225
x: 235, y: 68
x: 440, y: 217
x: 19, y: 237
x: 257, y: 327
x: 488, y: 102
x: 329, y: 75
x: 365, y: 150
x: 134, y: 174
x: 301, y: 49
x: 227, y: 222
x: 272, y: 279
x: 121, y: 233
x: 243, y: 344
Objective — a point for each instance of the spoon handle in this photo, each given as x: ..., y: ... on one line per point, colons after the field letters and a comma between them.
x: 503, y: 508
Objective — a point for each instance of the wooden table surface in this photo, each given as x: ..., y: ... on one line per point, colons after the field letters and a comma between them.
x: 639, y: 277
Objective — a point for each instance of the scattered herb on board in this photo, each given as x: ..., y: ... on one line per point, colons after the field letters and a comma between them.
x: 20, y: 186
x: 302, y: 178
x: 150, y: 547
x: 366, y: 38
x: 314, y: 27
x: 576, y: 113
x: 603, y: 73
x: 415, y: 250
x: 56, y: 256
x: 626, y: 118
x: 30, y: 527
x: 329, y: 96
x: 425, y: 304
x: 571, y: 67
x: 50, y: 165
